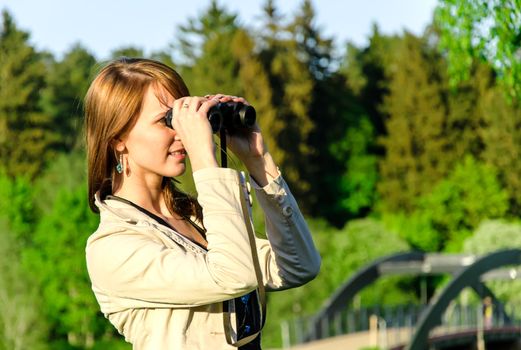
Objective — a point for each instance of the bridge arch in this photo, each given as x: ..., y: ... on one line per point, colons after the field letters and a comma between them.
x: 413, y: 263
x: 352, y: 286
x: 467, y: 277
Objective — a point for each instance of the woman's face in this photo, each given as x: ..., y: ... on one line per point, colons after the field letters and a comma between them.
x: 152, y: 147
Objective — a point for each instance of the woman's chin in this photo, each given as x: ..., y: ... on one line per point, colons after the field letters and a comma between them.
x: 177, y: 171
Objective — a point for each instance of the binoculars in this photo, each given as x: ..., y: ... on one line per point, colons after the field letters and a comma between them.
x: 231, y: 116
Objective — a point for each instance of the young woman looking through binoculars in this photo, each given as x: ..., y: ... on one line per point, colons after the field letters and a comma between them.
x: 171, y: 271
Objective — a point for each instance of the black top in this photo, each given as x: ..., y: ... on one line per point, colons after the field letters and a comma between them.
x: 161, y: 220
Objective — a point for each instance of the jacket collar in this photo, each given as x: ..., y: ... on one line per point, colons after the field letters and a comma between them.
x: 112, y: 210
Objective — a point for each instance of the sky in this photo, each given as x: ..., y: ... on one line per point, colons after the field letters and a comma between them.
x: 104, y: 25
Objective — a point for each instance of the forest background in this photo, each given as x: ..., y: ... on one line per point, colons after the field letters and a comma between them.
x: 408, y: 143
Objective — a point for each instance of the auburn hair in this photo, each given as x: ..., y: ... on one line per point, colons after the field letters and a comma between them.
x: 112, y: 105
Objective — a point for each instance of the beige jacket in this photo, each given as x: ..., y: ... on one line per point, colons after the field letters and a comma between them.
x: 161, y: 291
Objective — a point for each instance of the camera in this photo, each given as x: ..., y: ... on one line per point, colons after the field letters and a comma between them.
x: 232, y: 116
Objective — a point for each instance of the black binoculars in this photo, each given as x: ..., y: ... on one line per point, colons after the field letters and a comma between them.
x: 231, y: 116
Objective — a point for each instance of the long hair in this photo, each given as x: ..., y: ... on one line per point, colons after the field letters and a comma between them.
x: 112, y: 106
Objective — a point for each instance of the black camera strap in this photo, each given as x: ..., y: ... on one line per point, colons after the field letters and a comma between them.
x: 231, y: 336
x: 224, y: 159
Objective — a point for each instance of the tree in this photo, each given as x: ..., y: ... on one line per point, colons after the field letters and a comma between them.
x: 57, y: 261
x: 453, y: 209
x: 26, y: 134
x: 482, y: 30
x: 211, y: 61
x: 292, y: 90
x: 501, y: 137
x: 55, y: 256
x: 54, y: 179
x: 415, y: 143
x: 216, y: 20
x: 255, y: 82
x: 21, y: 324
x: 17, y: 207
x: 368, y: 72
x: 204, y: 47
x: 456, y: 204
x: 62, y: 98
x: 352, y: 188
x: 342, y: 134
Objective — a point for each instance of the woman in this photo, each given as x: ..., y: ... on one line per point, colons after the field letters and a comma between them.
x: 166, y: 267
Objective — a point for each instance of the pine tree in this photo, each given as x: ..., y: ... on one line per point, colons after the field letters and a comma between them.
x: 255, y: 83
x: 341, y: 135
x: 26, y: 133
x: 292, y: 86
x: 67, y: 83
x: 416, y: 147
x: 501, y: 135
x: 368, y: 73
x: 205, y: 46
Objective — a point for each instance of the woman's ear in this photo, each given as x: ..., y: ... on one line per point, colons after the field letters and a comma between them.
x: 119, y: 145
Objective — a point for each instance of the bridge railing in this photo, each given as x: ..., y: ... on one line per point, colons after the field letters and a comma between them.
x: 379, y: 319
x: 294, y: 330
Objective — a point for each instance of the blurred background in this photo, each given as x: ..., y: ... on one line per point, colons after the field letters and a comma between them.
x: 397, y: 125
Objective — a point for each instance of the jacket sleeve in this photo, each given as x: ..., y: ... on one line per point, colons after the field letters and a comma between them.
x: 129, y: 264
x: 289, y: 257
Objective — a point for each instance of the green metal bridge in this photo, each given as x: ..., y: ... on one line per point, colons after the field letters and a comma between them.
x: 439, y: 324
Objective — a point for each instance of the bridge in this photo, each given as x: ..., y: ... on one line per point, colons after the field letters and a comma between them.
x: 438, y: 324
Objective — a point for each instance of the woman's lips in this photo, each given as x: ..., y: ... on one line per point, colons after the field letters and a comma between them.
x: 180, y: 154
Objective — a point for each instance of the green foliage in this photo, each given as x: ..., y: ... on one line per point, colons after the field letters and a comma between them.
x: 67, y: 83
x: 257, y: 89
x: 356, y: 185
x: 213, y: 67
x: 416, y: 228
x: 52, y: 180
x: 215, y: 21
x: 21, y: 324
x: 496, y: 235
x: 57, y: 256
x: 501, y: 137
x: 127, y: 51
x: 368, y: 72
x: 414, y: 145
x: 457, y: 206
x: 291, y: 85
x: 342, y: 136
x: 17, y: 206
x: 447, y: 215
x: 383, y: 117
x: 315, y: 51
x: 482, y: 30
x: 25, y: 132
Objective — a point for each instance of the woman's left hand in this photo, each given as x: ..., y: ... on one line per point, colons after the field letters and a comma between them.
x: 248, y: 146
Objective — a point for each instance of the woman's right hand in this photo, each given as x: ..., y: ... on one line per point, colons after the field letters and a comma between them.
x: 190, y: 121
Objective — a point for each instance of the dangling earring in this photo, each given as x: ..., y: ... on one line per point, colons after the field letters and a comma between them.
x: 119, y: 166
x: 126, y: 168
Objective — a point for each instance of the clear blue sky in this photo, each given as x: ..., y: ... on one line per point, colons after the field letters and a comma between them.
x: 104, y: 25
